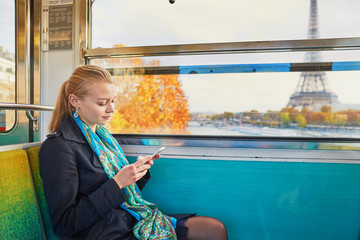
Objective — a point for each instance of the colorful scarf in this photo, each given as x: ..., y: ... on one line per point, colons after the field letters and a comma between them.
x: 152, y: 223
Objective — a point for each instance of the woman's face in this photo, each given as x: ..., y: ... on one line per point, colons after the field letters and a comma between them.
x: 98, y: 105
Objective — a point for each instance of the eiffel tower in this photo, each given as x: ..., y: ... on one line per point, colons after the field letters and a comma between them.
x: 312, y: 90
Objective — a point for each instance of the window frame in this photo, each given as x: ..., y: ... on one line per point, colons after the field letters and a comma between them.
x: 16, y: 22
x: 302, y: 45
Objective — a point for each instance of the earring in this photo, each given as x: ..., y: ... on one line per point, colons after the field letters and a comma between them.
x: 76, y: 112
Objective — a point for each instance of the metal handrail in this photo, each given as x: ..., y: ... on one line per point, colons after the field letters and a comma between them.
x: 226, y: 48
x: 28, y: 107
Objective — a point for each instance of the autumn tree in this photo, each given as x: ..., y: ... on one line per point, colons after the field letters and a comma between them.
x: 292, y: 113
x: 285, y: 118
x: 351, y: 116
x: 272, y: 116
x: 317, y: 118
x: 340, y: 119
x: 253, y: 115
x: 228, y: 115
x: 215, y: 117
x: 147, y: 103
x: 326, y: 109
x: 306, y: 112
x: 225, y: 115
x: 330, y: 118
x: 300, y: 120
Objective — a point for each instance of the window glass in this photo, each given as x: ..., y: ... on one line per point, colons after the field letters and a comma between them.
x: 233, y: 103
x: 7, y: 62
x: 157, y: 22
x: 269, y: 103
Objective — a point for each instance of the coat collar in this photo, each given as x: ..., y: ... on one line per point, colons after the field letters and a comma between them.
x: 71, y: 131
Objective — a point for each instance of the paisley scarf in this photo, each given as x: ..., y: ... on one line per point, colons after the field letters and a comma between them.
x: 152, y: 224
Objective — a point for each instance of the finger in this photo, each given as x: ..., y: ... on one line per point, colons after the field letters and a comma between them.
x: 143, y: 167
x: 148, y: 157
x: 140, y: 161
x: 140, y: 175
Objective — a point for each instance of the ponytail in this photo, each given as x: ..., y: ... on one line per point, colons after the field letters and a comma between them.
x: 79, y: 83
x: 62, y: 109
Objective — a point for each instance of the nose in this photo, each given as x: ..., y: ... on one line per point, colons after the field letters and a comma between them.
x: 110, y: 108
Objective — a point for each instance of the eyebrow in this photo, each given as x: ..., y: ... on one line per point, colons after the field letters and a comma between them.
x: 104, y: 98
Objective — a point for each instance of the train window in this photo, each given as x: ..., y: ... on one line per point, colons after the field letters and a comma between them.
x: 157, y: 22
x: 302, y: 94
x: 7, y: 62
x: 223, y: 99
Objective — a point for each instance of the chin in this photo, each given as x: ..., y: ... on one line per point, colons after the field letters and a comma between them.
x: 104, y: 122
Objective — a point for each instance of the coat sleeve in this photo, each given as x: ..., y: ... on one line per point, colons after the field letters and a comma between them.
x: 69, y: 212
x: 142, y: 182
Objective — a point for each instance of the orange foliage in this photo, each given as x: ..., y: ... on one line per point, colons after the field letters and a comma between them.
x: 317, y: 117
x: 148, y: 103
x: 292, y: 112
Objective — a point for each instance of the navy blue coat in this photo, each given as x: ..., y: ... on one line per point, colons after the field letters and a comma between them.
x: 83, y: 202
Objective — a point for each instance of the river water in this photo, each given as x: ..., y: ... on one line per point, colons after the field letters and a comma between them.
x: 249, y: 130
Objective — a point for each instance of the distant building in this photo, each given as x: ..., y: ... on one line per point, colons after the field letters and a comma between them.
x: 7, y: 66
x: 337, y: 107
x: 7, y: 87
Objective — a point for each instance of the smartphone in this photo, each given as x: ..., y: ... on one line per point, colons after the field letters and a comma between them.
x: 157, y: 152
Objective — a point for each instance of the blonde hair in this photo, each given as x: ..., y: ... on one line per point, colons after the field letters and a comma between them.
x: 79, y: 83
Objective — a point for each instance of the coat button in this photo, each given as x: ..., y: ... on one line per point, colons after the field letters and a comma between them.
x: 125, y: 218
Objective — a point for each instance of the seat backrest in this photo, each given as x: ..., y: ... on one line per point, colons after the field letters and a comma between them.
x: 19, y: 215
x: 33, y: 154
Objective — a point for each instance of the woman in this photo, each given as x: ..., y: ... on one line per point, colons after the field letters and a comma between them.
x: 91, y: 190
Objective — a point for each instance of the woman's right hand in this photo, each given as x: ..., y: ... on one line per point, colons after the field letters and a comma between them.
x: 132, y: 172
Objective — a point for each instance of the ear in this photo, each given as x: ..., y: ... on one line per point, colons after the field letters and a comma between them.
x: 74, y: 100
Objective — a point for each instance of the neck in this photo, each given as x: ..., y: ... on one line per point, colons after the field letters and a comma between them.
x: 93, y: 128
